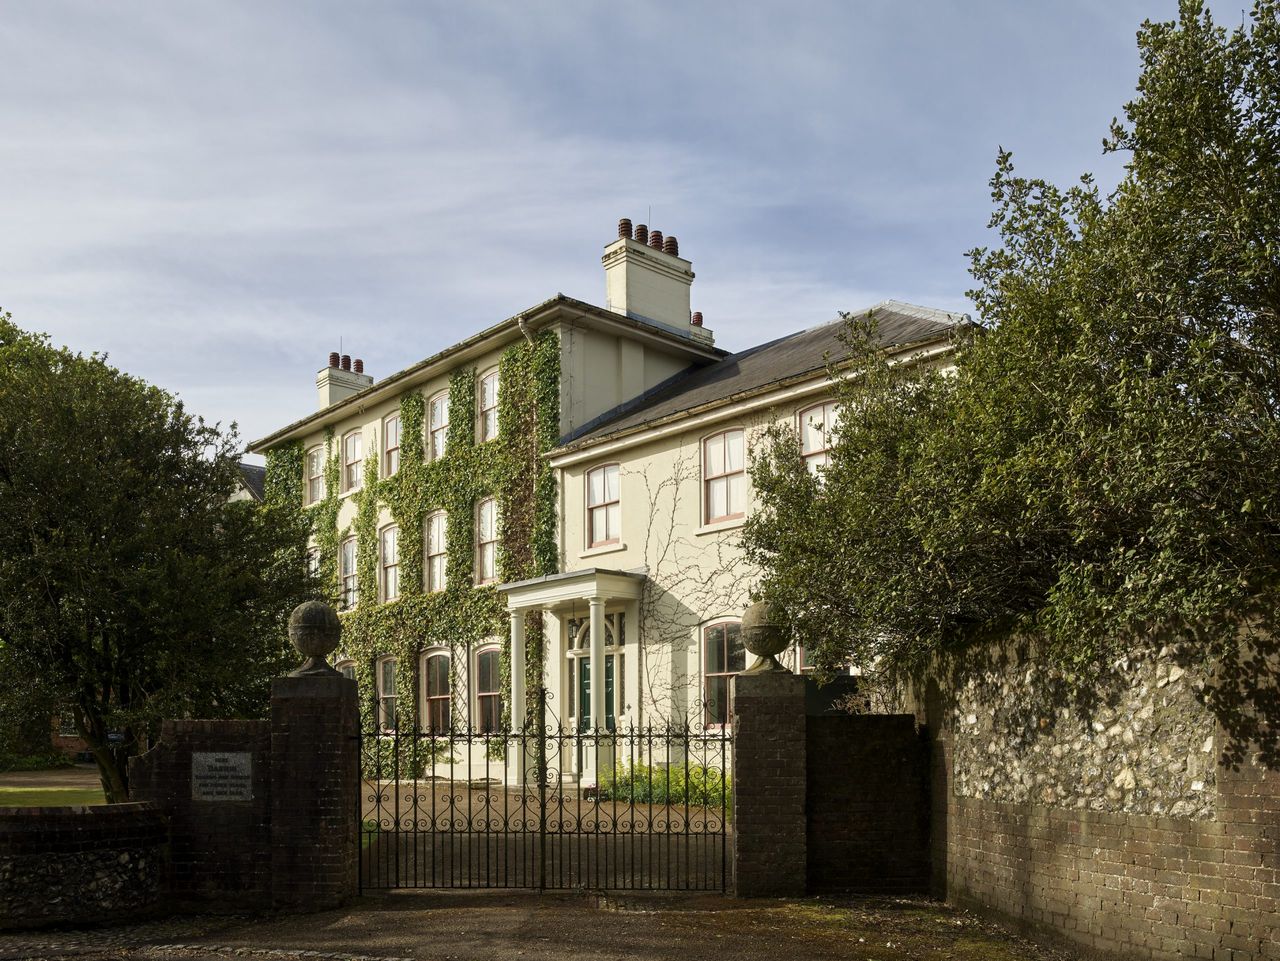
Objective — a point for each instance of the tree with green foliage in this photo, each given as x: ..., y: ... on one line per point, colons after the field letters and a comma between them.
x: 1101, y: 463
x: 131, y: 587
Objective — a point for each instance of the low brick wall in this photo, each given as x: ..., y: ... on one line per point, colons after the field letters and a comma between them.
x: 1125, y: 885
x: 221, y: 853
x: 867, y: 804
x: 78, y: 864
x: 1132, y: 826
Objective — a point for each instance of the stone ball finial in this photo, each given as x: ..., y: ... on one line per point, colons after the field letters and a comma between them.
x: 314, y: 629
x: 763, y: 636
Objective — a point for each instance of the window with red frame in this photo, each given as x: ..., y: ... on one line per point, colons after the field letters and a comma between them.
x: 436, y: 559
x: 390, y: 551
x: 347, y: 571
x: 489, y: 406
x: 352, y: 461
x: 817, y: 434
x: 437, y: 426
x: 387, y: 693
x: 724, y: 474
x: 723, y: 656
x: 435, y: 693
x: 487, y: 541
x: 489, y: 691
x: 604, y: 507
x: 390, y: 445
x: 315, y: 475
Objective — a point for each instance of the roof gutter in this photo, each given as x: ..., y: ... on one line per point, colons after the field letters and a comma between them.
x: 752, y: 400
x: 525, y: 323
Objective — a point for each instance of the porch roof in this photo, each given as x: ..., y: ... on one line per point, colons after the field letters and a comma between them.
x: 554, y: 590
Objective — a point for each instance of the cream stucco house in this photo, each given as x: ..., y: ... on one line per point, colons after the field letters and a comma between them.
x: 557, y: 500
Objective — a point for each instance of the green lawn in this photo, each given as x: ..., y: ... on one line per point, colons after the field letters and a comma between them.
x: 38, y: 797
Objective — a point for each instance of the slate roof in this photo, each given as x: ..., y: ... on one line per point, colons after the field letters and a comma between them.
x: 779, y: 361
x: 255, y: 479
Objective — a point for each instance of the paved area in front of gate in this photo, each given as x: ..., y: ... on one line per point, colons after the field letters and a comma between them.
x: 519, y: 926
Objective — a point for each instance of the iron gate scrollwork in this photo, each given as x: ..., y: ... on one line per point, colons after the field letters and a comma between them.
x: 546, y: 807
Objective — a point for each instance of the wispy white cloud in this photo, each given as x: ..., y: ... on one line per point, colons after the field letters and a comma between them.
x: 217, y: 192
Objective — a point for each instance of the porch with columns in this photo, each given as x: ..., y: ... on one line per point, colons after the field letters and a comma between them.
x: 602, y: 595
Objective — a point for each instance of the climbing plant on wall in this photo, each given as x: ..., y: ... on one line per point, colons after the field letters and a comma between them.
x: 511, y: 468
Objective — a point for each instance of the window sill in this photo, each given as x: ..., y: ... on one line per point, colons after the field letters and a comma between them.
x: 603, y: 549
x: 350, y: 493
x: 716, y: 526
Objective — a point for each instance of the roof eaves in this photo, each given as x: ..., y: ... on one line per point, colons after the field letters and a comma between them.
x: 781, y: 384
x: 510, y: 328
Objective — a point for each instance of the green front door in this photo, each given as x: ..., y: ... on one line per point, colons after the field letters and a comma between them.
x: 584, y: 691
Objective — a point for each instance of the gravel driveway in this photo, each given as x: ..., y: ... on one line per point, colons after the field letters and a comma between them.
x: 477, y: 926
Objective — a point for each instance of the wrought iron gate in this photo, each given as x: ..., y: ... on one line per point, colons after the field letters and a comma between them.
x: 546, y: 807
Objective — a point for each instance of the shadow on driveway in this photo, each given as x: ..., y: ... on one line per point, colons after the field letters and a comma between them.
x: 484, y: 925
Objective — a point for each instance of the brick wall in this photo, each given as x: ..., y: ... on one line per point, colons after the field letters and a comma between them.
x: 80, y: 864
x: 1116, y: 883
x: 314, y: 749
x: 292, y: 843
x: 220, y: 853
x: 867, y: 804
x: 824, y: 801
x: 769, y: 784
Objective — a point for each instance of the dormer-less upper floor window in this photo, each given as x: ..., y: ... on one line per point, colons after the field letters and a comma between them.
x: 487, y: 541
x: 724, y: 476
x: 437, y: 425
x: 489, y: 405
x: 390, y: 444
x: 352, y: 461
x: 817, y: 434
x: 604, y: 506
x: 315, y: 475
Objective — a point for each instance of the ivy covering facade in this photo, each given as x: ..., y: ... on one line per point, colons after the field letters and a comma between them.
x: 510, y: 468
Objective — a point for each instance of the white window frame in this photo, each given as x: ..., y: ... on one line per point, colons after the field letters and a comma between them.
x: 387, y: 447
x: 428, y: 698
x: 352, y: 470
x: 431, y: 584
x: 315, y: 491
x: 481, y: 544
x: 389, y: 569
x: 348, y: 573
x: 385, y: 722
x: 477, y: 694
x: 709, y: 479
x: 613, y: 527
x: 344, y: 664
x: 437, y: 430
x: 483, y: 429
x: 815, y: 459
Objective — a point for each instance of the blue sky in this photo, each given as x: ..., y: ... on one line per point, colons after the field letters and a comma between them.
x: 215, y: 193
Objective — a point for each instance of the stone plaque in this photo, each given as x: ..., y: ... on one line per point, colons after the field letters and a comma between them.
x: 221, y: 776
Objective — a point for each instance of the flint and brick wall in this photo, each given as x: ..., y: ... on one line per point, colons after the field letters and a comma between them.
x: 867, y: 810
x: 81, y: 864
x: 1089, y: 862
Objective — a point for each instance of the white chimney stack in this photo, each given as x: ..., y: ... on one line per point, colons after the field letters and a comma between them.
x: 646, y: 279
x: 338, y: 381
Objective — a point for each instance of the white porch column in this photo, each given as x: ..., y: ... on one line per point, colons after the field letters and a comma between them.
x: 597, y: 661
x: 631, y: 679
x: 602, y: 745
x: 518, y: 707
